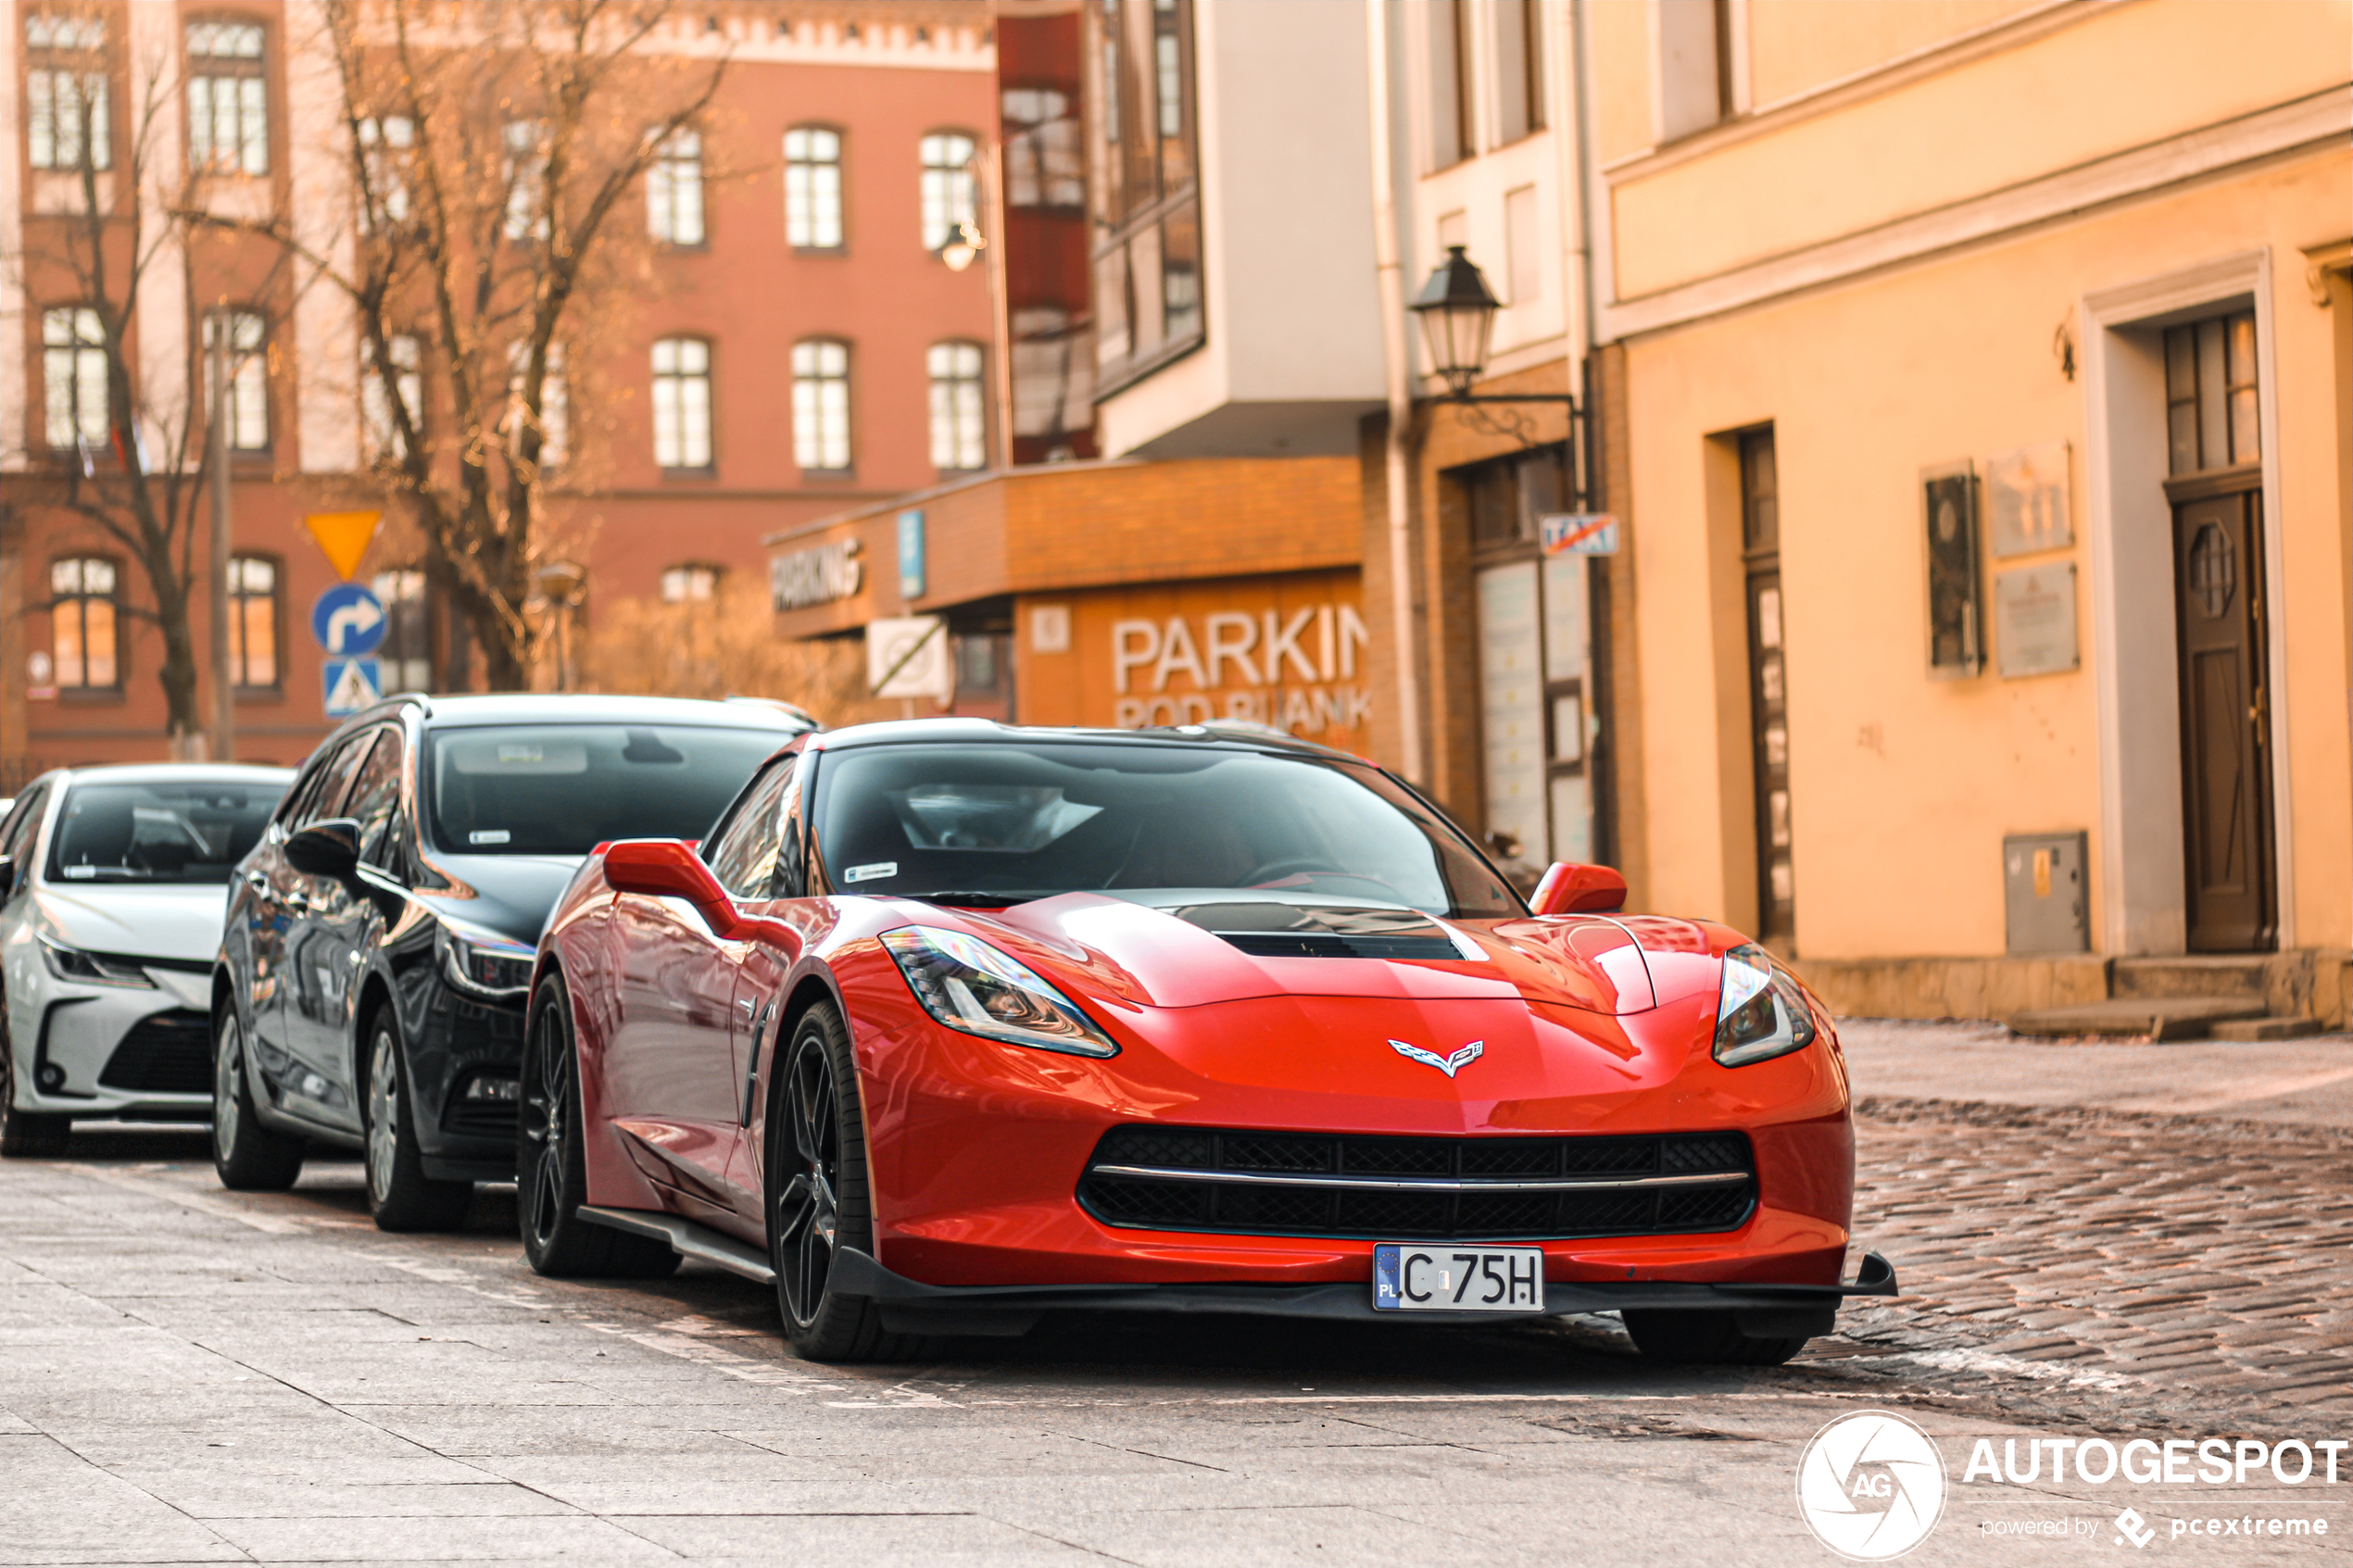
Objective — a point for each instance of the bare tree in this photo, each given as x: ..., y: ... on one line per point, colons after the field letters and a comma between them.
x: 487, y: 145
x: 123, y: 444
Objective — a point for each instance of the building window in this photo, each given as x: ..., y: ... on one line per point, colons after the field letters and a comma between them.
x: 228, y: 99
x: 1697, y: 76
x: 821, y: 405
x: 253, y: 620
x: 1147, y: 254
x: 1519, y: 68
x: 73, y: 376
x: 947, y: 186
x: 555, y: 406
x: 1045, y: 162
x: 81, y: 620
x: 385, y: 143
x: 2211, y: 412
x: 812, y: 188
x: 248, y: 376
x: 682, y: 403
x: 673, y: 191
x: 407, y: 650
x: 67, y: 121
x: 959, y: 425
x: 691, y: 584
x: 1452, y: 105
x: 526, y: 169
x: 384, y: 432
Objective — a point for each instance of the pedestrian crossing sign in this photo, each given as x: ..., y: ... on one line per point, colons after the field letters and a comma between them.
x: 352, y: 685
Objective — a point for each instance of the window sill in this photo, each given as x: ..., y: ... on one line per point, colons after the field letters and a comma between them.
x: 97, y: 695
x: 705, y: 475
x: 681, y: 247
x: 820, y: 250
x: 829, y: 476
x: 261, y: 696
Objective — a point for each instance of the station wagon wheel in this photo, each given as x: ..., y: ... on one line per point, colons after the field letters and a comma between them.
x: 400, y: 1195
x: 818, y: 1202
x: 247, y: 1156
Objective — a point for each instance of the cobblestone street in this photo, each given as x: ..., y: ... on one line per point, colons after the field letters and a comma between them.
x: 192, y: 1375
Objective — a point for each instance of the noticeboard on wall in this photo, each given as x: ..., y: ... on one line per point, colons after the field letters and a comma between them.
x: 2026, y: 507
x: 2034, y: 621
x: 1949, y: 513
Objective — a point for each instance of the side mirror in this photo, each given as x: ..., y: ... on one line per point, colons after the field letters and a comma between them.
x: 1579, y: 890
x: 669, y: 868
x: 330, y: 849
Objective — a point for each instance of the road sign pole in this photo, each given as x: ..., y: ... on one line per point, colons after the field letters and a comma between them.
x: 225, y: 690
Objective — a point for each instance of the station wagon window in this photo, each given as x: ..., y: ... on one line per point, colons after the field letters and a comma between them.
x: 316, y: 798
x: 375, y: 798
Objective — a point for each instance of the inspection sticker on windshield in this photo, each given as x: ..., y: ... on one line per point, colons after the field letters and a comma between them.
x: 868, y: 873
x: 1439, y: 1277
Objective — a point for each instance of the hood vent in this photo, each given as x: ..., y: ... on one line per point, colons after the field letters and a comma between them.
x: 1271, y: 930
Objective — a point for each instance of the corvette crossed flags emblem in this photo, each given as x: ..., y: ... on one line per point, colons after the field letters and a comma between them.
x: 1450, y: 1065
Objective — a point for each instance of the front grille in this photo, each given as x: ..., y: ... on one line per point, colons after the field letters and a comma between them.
x: 166, y: 1053
x: 480, y: 1118
x: 1400, y: 1189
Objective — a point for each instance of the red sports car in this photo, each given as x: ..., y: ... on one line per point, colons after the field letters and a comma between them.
x: 949, y: 1024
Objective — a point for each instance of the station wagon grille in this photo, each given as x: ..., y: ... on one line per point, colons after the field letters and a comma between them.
x: 1394, y: 1189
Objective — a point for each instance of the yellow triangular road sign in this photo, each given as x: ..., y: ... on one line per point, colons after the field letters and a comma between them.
x: 343, y: 536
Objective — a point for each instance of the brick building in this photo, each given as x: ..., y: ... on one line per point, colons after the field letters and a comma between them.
x: 796, y: 329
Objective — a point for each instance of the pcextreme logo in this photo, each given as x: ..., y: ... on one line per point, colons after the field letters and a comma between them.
x: 1871, y: 1486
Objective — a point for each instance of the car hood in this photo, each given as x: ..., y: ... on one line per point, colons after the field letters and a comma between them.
x: 1190, y: 948
x: 172, y: 920
x: 507, y: 894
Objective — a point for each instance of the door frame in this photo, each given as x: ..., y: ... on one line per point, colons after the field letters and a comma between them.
x: 2140, y: 871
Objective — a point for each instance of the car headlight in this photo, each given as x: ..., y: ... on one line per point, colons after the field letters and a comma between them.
x: 484, y: 964
x: 968, y: 985
x: 91, y: 969
x: 1761, y: 1013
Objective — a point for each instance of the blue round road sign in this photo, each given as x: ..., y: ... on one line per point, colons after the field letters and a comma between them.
x: 348, y: 621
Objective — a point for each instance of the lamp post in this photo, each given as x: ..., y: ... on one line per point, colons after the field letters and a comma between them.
x: 560, y: 584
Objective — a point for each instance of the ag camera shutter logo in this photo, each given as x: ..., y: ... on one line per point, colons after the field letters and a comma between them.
x: 1871, y: 1486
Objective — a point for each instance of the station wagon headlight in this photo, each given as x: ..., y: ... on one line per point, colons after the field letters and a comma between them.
x: 1761, y: 1013
x: 482, y: 964
x: 91, y: 969
x: 968, y: 985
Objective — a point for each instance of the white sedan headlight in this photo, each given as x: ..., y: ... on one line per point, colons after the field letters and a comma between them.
x: 91, y: 969
x: 968, y: 985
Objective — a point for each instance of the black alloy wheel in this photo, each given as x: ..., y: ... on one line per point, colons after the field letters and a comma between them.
x: 400, y: 1195
x: 1705, y: 1337
x: 551, y: 1168
x: 25, y: 1134
x: 247, y: 1156
x: 818, y: 1200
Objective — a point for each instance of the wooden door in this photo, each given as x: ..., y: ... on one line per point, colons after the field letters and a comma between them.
x: 2226, y: 782
x: 1768, y: 690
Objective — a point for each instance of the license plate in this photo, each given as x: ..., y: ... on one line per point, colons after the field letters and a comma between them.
x: 1436, y: 1277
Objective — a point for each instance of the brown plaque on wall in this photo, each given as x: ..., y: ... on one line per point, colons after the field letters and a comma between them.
x: 1950, y: 514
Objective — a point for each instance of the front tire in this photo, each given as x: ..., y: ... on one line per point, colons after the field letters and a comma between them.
x: 25, y: 1134
x: 247, y: 1156
x: 551, y: 1169
x: 818, y: 1202
x: 1705, y: 1337
x: 400, y: 1195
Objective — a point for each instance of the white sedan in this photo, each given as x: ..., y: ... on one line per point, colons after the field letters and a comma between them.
x: 113, y: 882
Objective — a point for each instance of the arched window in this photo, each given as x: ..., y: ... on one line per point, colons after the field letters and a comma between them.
x: 947, y: 186
x: 821, y: 405
x: 959, y: 417
x: 812, y: 188
x: 682, y: 403
x: 66, y: 117
x: 227, y: 98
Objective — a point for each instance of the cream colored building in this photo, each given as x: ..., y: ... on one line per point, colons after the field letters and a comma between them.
x: 1989, y: 393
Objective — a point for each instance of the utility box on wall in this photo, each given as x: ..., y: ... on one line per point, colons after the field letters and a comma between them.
x: 2044, y: 893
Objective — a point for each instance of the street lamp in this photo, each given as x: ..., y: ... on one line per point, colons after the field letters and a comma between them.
x: 560, y: 584
x: 1457, y: 310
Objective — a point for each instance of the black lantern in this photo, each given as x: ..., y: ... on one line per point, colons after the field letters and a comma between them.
x: 1458, y: 313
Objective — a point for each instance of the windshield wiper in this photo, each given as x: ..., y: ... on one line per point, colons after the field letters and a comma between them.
x: 972, y: 897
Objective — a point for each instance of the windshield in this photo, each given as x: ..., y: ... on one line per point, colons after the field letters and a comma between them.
x: 176, y: 831
x: 1009, y: 824
x: 562, y: 789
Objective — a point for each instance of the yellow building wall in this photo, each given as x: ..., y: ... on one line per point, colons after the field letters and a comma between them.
x: 2124, y: 76
x: 1904, y: 786
x: 1797, y: 46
